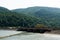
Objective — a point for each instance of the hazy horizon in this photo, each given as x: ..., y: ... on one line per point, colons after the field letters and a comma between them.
x: 14, y: 4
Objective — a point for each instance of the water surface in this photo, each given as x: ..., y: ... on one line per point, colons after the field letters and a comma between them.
x: 29, y: 36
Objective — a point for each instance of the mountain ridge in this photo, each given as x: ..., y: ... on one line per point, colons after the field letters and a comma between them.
x: 30, y: 17
x: 49, y: 16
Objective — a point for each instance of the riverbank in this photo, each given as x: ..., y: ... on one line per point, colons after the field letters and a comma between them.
x: 31, y: 36
x: 52, y: 31
x: 8, y: 33
x: 9, y: 28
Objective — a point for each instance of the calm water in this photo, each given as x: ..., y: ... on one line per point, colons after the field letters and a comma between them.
x: 27, y: 36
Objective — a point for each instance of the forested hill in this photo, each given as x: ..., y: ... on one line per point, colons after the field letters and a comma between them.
x: 30, y: 17
x: 47, y: 15
x: 13, y: 19
x: 36, y: 8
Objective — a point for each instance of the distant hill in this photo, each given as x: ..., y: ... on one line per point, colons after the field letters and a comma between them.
x: 13, y: 19
x: 49, y: 16
x: 30, y: 17
x: 35, y: 9
x: 38, y: 11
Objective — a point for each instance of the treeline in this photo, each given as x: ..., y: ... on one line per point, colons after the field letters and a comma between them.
x: 36, y: 19
x: 13, y: 19
x: 50, y: 17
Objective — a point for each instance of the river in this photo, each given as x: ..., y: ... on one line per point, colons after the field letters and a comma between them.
x: 14, y: 35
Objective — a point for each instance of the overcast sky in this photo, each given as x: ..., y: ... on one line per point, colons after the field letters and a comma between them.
x: 13, y: 4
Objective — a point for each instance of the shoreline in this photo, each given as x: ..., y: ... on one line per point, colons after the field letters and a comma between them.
x: 8, y: 33
x: 54, y: 32
x: 20, y: 32
x: 57, y: 32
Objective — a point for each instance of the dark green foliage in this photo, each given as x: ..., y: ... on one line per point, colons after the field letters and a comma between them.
x: 13, y: 19
x: 47, y: 16
x: 29, y: 17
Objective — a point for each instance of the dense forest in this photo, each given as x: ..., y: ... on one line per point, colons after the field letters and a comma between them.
x: 30, y: 17
x: 13, y: 19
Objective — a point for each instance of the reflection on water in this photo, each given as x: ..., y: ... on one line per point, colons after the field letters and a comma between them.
x: 31, y: 36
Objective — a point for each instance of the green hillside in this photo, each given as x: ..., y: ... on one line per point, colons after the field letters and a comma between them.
x: 30, y: 17
x: 13, y: 19
x: 47, y: 15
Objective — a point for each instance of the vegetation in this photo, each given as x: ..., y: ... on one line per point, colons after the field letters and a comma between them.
x: 39, y: 26
x: 50, y: 17
x: 30, y: 17
x: 13, y: 19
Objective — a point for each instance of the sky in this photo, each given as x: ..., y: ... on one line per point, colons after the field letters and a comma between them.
x: 14, y: 4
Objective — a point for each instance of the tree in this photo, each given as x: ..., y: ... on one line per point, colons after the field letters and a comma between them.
x: 39, y: 26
